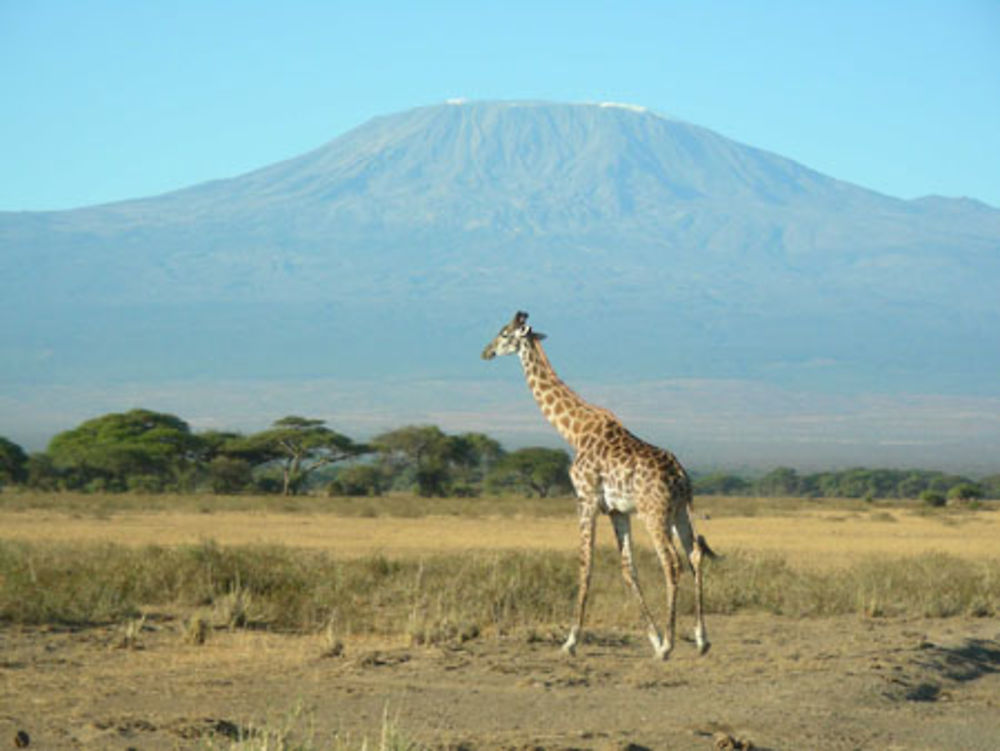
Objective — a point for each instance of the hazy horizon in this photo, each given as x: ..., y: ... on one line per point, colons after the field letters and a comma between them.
x: 728, y: 424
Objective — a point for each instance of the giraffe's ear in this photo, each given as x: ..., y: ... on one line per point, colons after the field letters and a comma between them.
x: 537, y: 335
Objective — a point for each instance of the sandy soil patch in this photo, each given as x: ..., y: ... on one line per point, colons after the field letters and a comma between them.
x: 838, y: 683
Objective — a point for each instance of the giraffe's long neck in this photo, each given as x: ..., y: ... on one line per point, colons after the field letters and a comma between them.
x: 562, y: 406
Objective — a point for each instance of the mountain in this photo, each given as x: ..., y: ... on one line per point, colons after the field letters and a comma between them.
x: 656, y: 248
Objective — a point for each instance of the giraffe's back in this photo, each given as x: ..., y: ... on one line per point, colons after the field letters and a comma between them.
x: 631, y: 470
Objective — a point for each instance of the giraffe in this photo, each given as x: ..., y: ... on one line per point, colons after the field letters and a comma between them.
x: 614, y: 473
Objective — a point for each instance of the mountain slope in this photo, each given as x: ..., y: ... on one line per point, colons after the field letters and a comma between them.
x: 681, y: 251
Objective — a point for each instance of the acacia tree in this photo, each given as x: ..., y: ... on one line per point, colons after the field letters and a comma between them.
x: 991, y: 486
x: 470, y: 458
x: 299, y: 445
x: 964, y: 492
x: 139, y: 449
x: 223, y: 473
x: 13, y: 462
x: 782, y: 481
x: 415, y: 455
x: 434, y: 463
x: 532, y: 471
x: 721, y: 483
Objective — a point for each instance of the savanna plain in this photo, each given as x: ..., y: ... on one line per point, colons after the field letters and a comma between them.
x: 175, y: 622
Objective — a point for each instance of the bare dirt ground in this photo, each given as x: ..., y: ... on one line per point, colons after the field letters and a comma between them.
x: 783, y: 683
x: 840, y: 683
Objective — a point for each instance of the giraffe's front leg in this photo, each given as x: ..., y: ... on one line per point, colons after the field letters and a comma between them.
x: 588, y: 514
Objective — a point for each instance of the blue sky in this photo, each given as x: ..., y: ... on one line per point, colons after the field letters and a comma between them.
x: 112, y: 100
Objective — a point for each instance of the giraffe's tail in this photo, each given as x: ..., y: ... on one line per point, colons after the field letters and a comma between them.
x: 706, y: 551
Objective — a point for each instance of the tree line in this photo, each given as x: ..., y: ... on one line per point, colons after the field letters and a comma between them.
x: 146, y: 451
x: 932, y: 486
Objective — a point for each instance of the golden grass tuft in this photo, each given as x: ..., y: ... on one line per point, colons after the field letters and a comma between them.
x: 130, y: 634
x: 296, y: 731
x: 451, y: 597
x: 196, y: 629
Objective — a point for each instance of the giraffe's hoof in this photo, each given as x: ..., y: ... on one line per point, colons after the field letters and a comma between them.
x: 655, y: 639
x: 663, y: 652
x: 701, y: 639
x: 569, y: 646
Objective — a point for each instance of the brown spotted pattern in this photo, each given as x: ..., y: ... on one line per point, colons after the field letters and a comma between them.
x: 618, y: 474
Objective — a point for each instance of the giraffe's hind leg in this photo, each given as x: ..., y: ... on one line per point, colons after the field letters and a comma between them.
x: 670, y: 564
x: 623, y: 534
x: 696, y: 550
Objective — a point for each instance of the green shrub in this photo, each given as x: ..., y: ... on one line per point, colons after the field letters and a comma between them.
x: 358, y: 480
x: 965, y: 491
x: 933, y: 498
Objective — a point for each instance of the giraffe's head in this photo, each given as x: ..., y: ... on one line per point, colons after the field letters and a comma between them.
x: 512, y: 337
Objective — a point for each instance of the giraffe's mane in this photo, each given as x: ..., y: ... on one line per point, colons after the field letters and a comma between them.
x: 559, y: 382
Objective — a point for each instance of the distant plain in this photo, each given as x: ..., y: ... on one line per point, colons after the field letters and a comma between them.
x: 814, y: 532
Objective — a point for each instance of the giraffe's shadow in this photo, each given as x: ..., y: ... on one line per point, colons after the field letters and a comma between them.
x: 937, y: 667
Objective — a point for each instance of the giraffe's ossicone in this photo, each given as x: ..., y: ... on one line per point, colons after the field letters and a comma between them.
x: 618, y: 474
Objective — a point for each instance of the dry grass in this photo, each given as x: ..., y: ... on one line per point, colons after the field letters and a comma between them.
x: 808, y: 537
x: 395, y: 505
x: 825, y: 539
x: 459, y: 575
x: 408, y: 506
x: 294, y: 732
x: 448, y: 597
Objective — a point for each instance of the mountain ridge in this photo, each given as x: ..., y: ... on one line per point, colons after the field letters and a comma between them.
x: 420, y: 122
x: 478, y: 207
